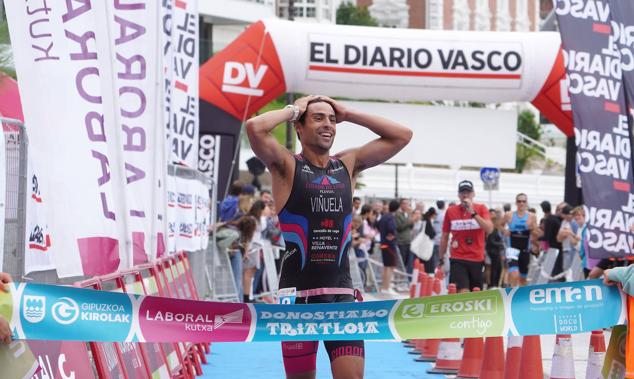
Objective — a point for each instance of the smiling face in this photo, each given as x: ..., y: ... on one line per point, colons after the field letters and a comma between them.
x: 319, y: 127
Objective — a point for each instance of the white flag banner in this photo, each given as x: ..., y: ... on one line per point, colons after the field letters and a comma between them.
x: 172, y: 223
x: 183, y: 82
x: 65, y: 91
x: 133, y: 35
x: 202, y: 213
x: 187, y: 238
x: 38, y: 239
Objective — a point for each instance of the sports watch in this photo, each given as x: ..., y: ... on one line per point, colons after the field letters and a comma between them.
x: 295, y: 110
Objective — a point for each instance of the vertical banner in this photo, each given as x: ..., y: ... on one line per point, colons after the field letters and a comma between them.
x: 65, y: 90
x: 133, y: 32
x: 183, y: 93
x: 622, y: 13
x: 38, y: 239
x: 602, y: 134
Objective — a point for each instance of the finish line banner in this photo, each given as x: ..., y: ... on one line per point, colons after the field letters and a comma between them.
x: 44, y: 312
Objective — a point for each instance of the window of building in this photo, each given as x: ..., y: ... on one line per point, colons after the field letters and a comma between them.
x: 461, y: 15
x: 311, y: 12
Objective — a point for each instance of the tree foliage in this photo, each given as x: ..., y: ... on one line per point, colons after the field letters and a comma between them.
x: 527, y: 125
x: 6, y: 59
x: 350, y: 14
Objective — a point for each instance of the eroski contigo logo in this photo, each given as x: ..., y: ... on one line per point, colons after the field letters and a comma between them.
x: 565, y: 295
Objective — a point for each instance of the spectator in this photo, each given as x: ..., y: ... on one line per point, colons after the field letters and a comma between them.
x: 266, y: 197
x: 587, y: 263
x: 567, y: 237
x: 229, y: 206
x: 234, y: 237
x: 468, y: 223
x: 356, y: 205
x: 552, y: 223
x: 387, y: 228
x: 359, y: 242
x: 495, y: 251
x: 405, y: 221
x: 428, y: 221
x: 252, y: 257
x: 437, y: 223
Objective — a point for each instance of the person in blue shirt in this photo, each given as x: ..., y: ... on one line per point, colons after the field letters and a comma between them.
x: 229, y: 206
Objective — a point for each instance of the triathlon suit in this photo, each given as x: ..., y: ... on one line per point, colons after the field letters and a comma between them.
x: 316, y: 225
x: 520, y: 240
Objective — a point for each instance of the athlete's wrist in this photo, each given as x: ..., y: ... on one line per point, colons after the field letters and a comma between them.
x: 294, y: 110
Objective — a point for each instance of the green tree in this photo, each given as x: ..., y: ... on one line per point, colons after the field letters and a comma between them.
x: 6, y: 60
x: 527, y: 125
x: 280, y: 130
x: 350, y: 14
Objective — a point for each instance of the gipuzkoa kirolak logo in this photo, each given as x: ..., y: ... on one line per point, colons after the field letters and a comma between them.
x: 52, y: 312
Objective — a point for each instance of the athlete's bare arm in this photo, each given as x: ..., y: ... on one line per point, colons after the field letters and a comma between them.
x: 393, y: 137
x: 276, y: 157
x: 444, y: 241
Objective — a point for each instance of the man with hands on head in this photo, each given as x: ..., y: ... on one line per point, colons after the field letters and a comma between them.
x: 5, y: 328
x: 313, y: 197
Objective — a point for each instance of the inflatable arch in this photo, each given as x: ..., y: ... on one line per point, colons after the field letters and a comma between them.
x: 274, y: 56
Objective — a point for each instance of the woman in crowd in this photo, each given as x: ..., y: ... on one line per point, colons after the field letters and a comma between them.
x: 494, y: 251
x: 252, y: 257
x: 427, y: 227
x: 234, y: 238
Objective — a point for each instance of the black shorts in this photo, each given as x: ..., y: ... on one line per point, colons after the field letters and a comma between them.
x: 466, y: 274
x: 389, y: 256
x: 300, y: 357
x: 521, y: 264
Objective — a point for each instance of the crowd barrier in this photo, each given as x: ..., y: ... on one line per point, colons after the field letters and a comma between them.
x: 169, y: 277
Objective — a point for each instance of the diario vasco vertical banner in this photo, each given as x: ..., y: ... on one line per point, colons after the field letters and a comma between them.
x: 595, y: 71
x: 43, y: 312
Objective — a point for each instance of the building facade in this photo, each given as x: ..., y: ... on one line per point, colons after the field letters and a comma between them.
x: 320, y: 11
x: 485, y: 15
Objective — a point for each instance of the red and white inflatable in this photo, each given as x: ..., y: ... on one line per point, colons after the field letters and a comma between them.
x: 273, y: 56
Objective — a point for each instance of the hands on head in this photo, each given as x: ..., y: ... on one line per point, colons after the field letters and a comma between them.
x: 340, y: 111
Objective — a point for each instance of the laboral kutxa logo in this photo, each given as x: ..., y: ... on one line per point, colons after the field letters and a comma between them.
x: 468, y: 315
x: 74, y: 313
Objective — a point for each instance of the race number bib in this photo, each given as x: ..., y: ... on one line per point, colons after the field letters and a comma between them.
x: 286, y: 295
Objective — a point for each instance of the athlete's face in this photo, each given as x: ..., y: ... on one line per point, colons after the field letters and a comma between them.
x: 522, y: 203
x: 466, y: 195
x: 320, y: 126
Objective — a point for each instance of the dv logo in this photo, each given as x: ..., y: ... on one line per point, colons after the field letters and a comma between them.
x: 413, y: 311
x: 65, y: 311
x: 235, y: 74
x: 33, y: 308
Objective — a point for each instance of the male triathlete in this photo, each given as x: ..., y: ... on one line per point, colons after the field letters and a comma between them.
x: 5, y: 328
x: 521, y: 224
x: 468, y: 223
x: 313, y: 194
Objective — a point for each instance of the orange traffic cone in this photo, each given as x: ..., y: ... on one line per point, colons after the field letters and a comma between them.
x: 563, y: 358
x: 493, y: 360
x: 513, y: 357
x: 426, y: 289
x: 472, y: 355
x: 531, y: 361
x: 449, y: 352
x: 596, y: 355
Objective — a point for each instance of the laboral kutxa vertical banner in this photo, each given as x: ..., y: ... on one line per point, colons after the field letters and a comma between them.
x: 87, y: 73
x: 133, y: 40
x: 67, y: 106
x: 602, y: 134
x: 179, y: 38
